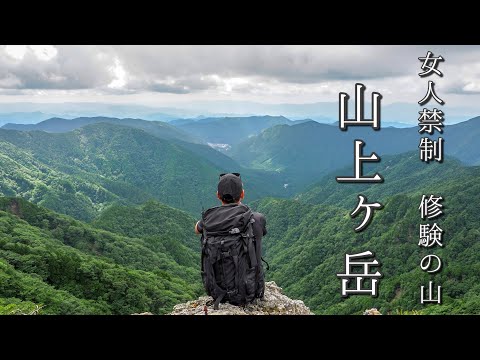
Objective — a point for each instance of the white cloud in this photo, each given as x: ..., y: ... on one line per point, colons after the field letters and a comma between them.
x: 54, y: 67
x: 261, y: 73
x: 44, y: 52
x: 41, y: 52
x: 119, y: 74
x: 17, y: 52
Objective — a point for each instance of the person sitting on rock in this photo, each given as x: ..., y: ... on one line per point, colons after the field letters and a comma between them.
x: 232, y: 234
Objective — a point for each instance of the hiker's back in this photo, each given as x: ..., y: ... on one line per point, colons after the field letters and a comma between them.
x: 231, y: 256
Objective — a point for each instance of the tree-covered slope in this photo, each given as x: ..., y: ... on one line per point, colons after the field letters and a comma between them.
x: 137, y: 250
x: 307, y: 243
x: 403, y: 173
x: 80, y: 195
x: 70, y: 267
x: 124, y: 155
x: 163, y: 228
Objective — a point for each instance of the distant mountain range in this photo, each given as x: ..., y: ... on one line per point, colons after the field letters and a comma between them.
x: 299, y: 152
x: 213, y: 131
x: 158, y: 129
x: 24, y: 117
x: 94, y: 109
x: 308, y: 151
x: 323, y: 112
x: 60, y: 125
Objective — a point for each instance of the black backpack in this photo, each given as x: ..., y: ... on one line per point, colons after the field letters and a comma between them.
x: 231, y: 268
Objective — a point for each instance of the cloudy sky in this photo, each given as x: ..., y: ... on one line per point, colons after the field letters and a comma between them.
x: 165, y: 75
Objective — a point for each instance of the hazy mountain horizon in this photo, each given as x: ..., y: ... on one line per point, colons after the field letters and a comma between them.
x: 401, y: 114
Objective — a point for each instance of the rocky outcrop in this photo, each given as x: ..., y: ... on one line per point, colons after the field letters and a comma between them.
x: 274, y: 303
x: 372, y: 311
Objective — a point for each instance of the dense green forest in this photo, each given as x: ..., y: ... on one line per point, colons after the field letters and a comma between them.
x: 99, y: 220
x: 163, y: 228
x: 72, y: 268
x: 307, y: 242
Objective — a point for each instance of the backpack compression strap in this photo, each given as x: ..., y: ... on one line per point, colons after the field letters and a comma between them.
x: 219, y: 292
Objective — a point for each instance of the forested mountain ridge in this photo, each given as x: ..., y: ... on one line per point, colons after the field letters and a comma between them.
x: 307, y: 151
x: 229, y: 130
x: 192, y: 135
x: 123, y: 160
x: 101, y: 164
x: 160, y: 129
x: 81, y: 195
x: 402, y: 173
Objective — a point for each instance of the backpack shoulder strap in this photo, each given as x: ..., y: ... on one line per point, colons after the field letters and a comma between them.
x: 203, y: 240
x: 204, y: 228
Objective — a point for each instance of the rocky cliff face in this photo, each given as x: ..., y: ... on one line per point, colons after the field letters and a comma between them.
x: 274, y: 303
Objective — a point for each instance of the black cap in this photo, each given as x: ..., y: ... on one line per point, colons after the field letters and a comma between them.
x: 230, y: 185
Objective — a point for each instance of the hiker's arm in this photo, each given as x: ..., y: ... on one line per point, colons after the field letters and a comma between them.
x: 196, y: 228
